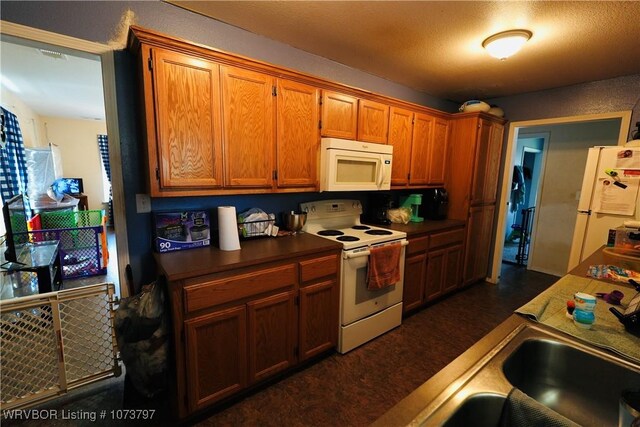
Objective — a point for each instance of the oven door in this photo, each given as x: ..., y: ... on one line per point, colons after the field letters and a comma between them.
x: 358, y: 302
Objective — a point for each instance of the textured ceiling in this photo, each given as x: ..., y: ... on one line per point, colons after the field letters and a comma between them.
x: 436, y: 47
x: 69, y: 86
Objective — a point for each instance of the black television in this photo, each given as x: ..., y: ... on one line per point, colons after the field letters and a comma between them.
x: 15, y: 213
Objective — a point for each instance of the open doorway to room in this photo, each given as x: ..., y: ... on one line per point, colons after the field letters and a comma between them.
x: 62, y: 93
x: 523, y: 197
x: 562, y: 163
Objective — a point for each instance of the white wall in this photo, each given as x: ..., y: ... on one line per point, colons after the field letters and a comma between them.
x: 78, y: 143
x: 564, y: 169
x: 30, y: 122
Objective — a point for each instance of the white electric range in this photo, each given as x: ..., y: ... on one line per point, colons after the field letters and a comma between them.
x: 364, y: 314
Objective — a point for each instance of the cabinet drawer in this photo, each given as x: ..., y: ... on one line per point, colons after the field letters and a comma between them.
x: 318, y: 267
x: 203, y: 294
x: 447, y: 238
x: 420, y: 244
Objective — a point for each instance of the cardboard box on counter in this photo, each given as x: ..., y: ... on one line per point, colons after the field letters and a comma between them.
x: 175, y: 231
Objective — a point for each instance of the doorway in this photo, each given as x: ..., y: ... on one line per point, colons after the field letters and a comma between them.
x: 559, y: 184
x: 523, y: 197
x: 51, y: 44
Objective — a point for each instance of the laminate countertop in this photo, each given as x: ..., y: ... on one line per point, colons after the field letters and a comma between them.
x: 198, y: 262
x: 425, y: 227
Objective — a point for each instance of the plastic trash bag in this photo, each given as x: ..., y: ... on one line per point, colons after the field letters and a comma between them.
x: 141, y: 332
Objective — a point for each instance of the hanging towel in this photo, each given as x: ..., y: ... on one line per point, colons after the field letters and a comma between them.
x: 520, y: 410
x: 384, y: 266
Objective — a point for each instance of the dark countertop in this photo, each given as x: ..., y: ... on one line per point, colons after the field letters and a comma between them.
x: 425, y: 227
x: 408, y: 409
x: 197, y: 262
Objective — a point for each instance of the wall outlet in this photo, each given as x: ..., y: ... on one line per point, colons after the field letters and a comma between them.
x: 143, y: 203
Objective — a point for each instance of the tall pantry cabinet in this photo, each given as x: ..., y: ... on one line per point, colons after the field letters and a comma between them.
x: 475, y: 148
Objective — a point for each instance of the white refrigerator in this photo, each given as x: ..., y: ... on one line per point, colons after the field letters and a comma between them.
x: 609, y: 198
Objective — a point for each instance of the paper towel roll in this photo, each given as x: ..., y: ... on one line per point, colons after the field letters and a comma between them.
x: 228, y: 228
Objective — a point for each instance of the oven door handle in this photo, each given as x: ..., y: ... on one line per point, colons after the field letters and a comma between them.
x: 352, y: 255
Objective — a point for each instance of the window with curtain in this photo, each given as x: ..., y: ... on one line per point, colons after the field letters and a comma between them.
x: 13, y: 165
x: 103, y: 146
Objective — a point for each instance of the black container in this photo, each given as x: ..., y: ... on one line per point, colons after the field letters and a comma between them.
x: 378, y: 205
x: 435, y: 202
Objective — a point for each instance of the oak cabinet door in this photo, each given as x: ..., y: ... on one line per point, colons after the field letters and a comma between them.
x: 271, y: 335
x: 479, y: 234
x: 480, y: 162
x: 422, y: 136
x: 452, y: 268
x: 400, y: 133
x: 414, y: 281
x: 216, y: 356
x: 298, y: 139
x: 373, y: 121
x: 435, y: 273
x: 492, y: 166
x: 438, y: 152
x: 187, y: 122
x: 339, y: 115
x: 318, y: 318
x: 248, y: 123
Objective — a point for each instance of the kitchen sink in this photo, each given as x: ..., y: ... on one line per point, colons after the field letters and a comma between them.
x: 480, y: 410
x: 576, y: 380
x: 569, y: 380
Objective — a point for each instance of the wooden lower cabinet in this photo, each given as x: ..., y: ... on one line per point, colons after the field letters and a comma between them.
x: 318, y: 318
x: 432, y: 267
x: 479, y: 234
x: 415, y: 265
x: 216, y: 356
x: 243, y: 326
x: 443, y: 271
x: 271, y: 334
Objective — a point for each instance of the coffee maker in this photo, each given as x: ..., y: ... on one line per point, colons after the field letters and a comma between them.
x: 435, y: 201
x: 379, y: 204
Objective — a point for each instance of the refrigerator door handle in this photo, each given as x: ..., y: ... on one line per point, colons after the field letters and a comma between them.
x: 588, y: 212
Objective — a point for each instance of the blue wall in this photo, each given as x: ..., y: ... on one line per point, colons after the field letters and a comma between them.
x: 97, y: 21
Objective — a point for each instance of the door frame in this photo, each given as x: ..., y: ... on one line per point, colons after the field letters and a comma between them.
x: 105, y: 53
x: 507, y: 175
x: 545, y: 136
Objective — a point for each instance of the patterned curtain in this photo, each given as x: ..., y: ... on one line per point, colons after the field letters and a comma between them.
x: 103, y: 145
x: 13, y: 165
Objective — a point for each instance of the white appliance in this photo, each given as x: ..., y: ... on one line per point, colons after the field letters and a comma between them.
x: 364, y: 314
x: 347, y: 165
x: 608, y: 198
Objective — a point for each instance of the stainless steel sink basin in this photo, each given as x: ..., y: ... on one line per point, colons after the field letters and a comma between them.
x: 577, y: 384
x: 576, y: 380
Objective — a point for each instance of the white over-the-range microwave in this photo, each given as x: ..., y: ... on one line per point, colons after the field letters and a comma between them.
x: 347, y: 165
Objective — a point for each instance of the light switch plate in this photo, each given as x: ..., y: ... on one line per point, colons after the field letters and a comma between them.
x: 143, y: 203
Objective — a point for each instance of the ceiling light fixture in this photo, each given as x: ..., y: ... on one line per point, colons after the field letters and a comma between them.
x: 506, y: 43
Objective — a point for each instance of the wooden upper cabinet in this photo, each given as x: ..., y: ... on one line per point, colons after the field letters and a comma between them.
x: 492, y: 171
x: 422, y: 137
x: 187, y: 151
x: 339, y: 115
x: 373, y: 121
x: 400, y: 133
x: 487, y: 163
x: 438, y: 152
x: 248, y: 123
x: 298, y: 137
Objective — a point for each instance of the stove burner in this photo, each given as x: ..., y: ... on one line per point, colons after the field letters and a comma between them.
x: 378, y: 232
x: 330, y: 233
x: 347, y: 238
x: 361, y: 227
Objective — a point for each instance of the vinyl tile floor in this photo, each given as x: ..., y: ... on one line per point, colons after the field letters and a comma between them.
x: 339, y: 390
